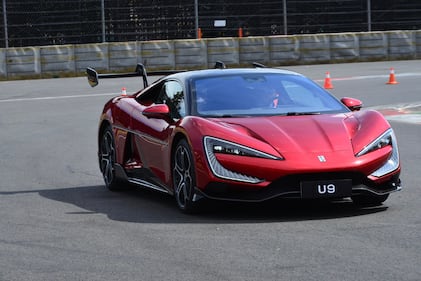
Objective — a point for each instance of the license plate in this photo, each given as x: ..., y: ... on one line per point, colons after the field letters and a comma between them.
x: 326, y: 188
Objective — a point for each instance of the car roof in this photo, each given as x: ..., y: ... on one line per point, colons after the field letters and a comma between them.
x: 229, y: 71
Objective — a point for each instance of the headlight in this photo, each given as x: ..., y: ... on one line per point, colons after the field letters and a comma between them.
x: 222, y: 146
x: 387, y: 138
x: 380, y: 142
x: 214, y: 145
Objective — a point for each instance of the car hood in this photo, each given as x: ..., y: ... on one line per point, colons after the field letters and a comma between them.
x: 310, y: 133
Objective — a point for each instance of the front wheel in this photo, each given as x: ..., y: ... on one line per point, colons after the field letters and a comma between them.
x: 369, y: 200
x: 106, y: 157
x: 184, y: 179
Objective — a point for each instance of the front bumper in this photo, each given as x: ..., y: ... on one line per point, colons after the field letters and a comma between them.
x: 289, y: 187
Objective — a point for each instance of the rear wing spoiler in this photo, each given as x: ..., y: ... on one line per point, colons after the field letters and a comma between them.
x: 93, y: 76
x: 221, y: 65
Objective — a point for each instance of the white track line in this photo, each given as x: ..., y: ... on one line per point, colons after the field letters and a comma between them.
x: 409, y: 74
x: 59, y: 97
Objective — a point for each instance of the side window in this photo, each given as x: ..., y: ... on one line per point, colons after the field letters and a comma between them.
x: 172, y: 95
x: 151, y: 95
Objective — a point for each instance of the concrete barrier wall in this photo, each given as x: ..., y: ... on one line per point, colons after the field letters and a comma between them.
x: 373, y: 46
x: 60, y: 60
x: 190, y: 54
x: 313, y: 48
x: 91, y: 55
x: 344, y: 46
x: 3, y: 67
x: 57, y: 59
x: 158, y: 54
x: 284, y: 50
x: 402, y: 45
x: 253, y: 49
x: 223, y: 49
x: 123, y: 55
x: 23, y: 61
x: 417, y: 44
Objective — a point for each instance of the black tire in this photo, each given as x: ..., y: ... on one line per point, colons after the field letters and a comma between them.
x: 106, y: 157
x: 369, y: 200
x: 184, y: 177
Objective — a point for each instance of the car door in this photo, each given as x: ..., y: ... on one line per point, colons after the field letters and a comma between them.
x: 152, y: 135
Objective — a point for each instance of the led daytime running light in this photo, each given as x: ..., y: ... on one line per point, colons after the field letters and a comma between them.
x: 214, y: 145
x: 384, y: 140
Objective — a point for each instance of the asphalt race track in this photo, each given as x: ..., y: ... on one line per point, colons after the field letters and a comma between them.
x: 58, y: 222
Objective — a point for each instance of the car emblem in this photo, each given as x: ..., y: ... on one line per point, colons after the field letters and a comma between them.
x: 321, y: 158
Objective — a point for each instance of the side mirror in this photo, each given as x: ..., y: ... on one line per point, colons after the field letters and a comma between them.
x: 352, y: 104
x: 159, y: 111
x: 92, y: 76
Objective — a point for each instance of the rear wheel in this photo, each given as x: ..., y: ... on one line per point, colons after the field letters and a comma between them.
x: 106, y: 158
x: 183, y: 174
x: 369, y: 200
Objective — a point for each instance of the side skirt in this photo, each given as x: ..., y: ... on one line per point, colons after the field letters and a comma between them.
x: 122, y: 175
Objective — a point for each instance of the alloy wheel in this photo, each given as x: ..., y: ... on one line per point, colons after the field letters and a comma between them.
x: 183, y: 177
x: 107, y: 158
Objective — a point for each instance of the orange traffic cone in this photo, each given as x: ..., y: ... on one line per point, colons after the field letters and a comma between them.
x: 240, y: 32
x: 392, y: 79
x: 123, y: 91
x: 328, y: 82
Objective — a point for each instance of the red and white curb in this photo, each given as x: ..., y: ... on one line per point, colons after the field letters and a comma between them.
x: 409, y: 113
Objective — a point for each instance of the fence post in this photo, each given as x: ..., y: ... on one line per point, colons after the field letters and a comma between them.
x: 196, y: 19
x: 6, y: 35
x: 284, y: 8
x: 369, y: 15
x: 103, y: 20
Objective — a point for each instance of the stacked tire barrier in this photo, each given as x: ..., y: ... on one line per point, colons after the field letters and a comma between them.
x: 72, y: 60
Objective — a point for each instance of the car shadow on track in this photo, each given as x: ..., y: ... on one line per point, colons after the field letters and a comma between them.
x: 145, y: 206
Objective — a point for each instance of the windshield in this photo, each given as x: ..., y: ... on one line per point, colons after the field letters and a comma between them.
x: 261, y: 94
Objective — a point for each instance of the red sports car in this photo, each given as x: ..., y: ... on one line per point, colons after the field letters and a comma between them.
x: 245, y: 134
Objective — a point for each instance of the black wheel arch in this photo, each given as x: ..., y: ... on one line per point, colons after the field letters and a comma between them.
x: 104, y: 125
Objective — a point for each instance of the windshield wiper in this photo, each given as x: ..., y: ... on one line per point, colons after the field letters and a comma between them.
x: 292, y: 113
x: 218, y: 116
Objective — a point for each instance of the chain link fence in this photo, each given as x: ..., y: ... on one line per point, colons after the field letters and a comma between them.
x: 56, y: 22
